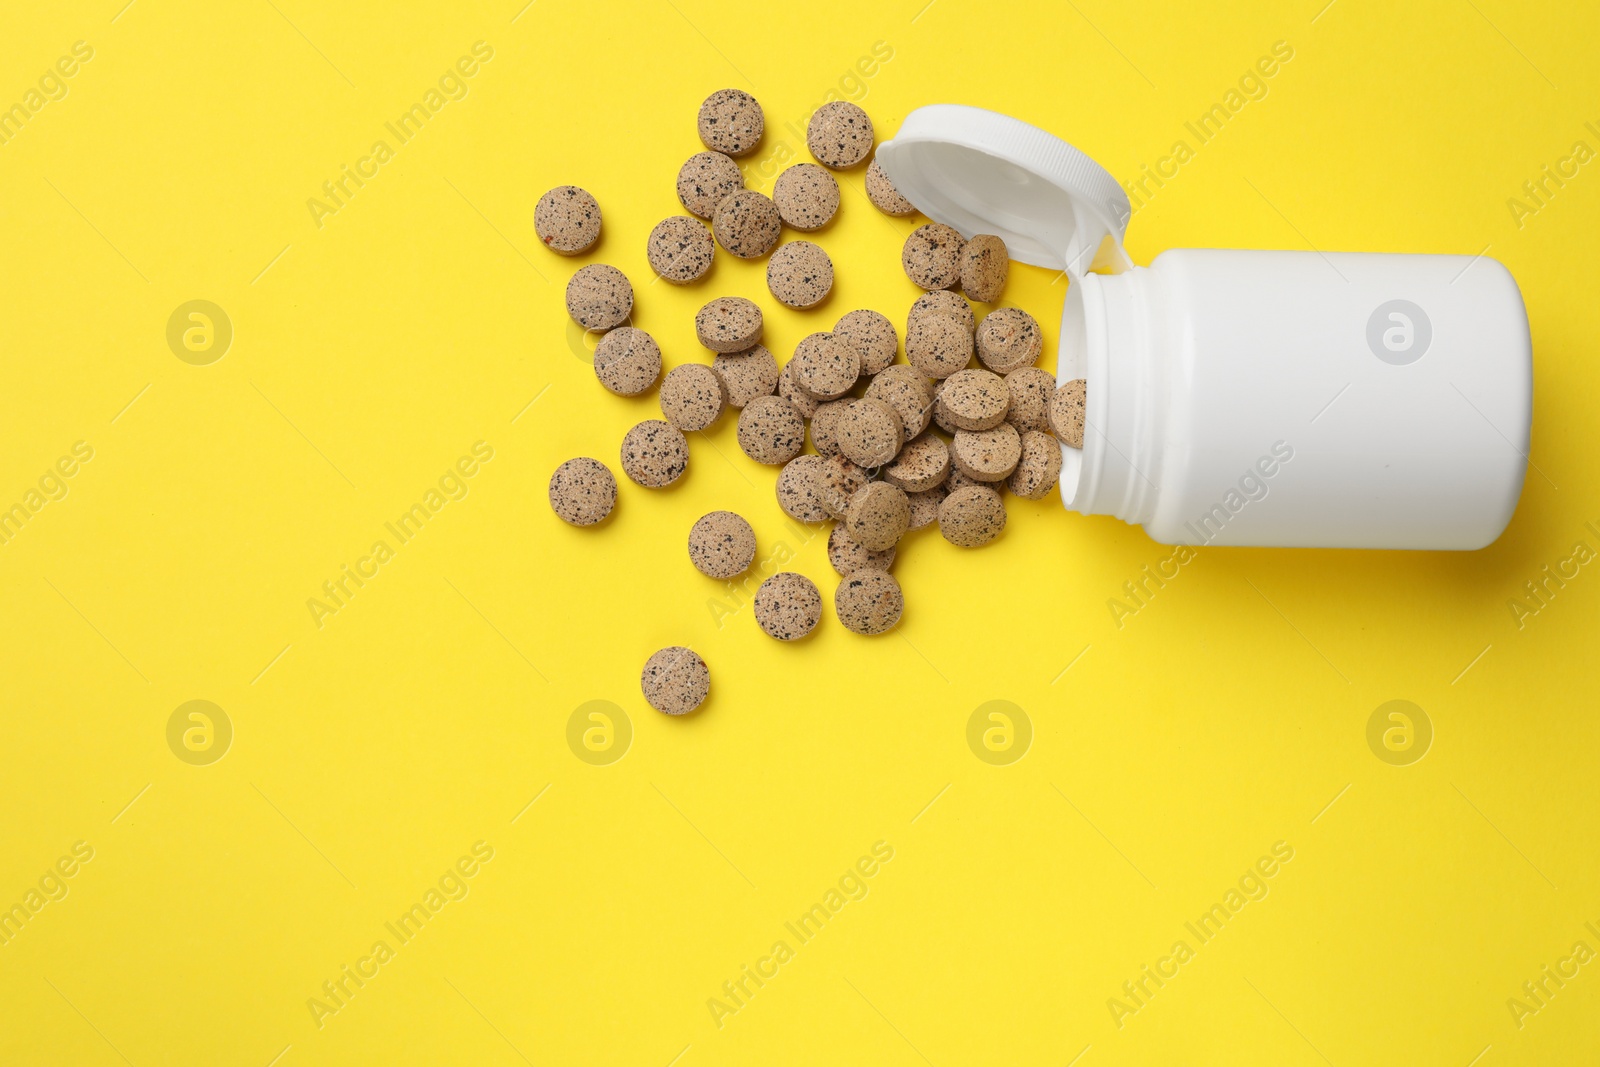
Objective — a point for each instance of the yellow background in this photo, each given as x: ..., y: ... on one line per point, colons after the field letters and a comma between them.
x: 369, y: 754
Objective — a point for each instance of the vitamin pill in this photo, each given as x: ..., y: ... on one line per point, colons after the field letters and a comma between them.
x: 655, y: 453
x: 722, y: 545
x: 680, y: 250
x: 1039, y: 468
x: 938, y: 345
x: 972, y: 516
x: 943, y: 302
x: 704, y: 180
x: 847, y: 556
x: 925, y: 506
x: 1031, y: 391
x: 746, y: 375
x: 599, y: 297
x: 627, y: 361
x: 984, y: 266
x: 908, y: 392
x: 1009, y: 338
x: 869, y: 602
x: 838, y: 480
x: 870, y: 432
x: 728, y: 324
x: 922, y: 465
x: 871, y: 336
x: 799, y: 492
x: 878, y: 517
x: 675, y: 681
x: 731, y: 122
x: 788, y: 606
x: 839, y: 134
x: 807, y: 196
x: 692, y: 397
x: 803, y: 402
x: 583, y: 491
x: 987, y: 455
x: 771, y: 431
x: 975, y: 399
x: 747, y: 224
x: 884, y: 196
x: 824, y: 368
x: 800, y: 275
x: 932, y: 256
x: 825, y: 426
x: 567, y: 220
x: 1067, y: 412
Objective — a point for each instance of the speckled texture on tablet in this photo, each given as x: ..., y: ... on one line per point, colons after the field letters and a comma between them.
x: 675, y: 681
x: 1009, y: 339
x: 987, y: 455
x: 878, y: 517
x: 807, y: 196
x: 731, y: 122
x: 567, y: 220
x: 870, y: 432
x: 799, y: 492
x: 721, y: 545
x: 884, y: 196
x: 869, y: 602
x: 975, y: 399
x: 825, y: 426
x: 788, y: 606
x: 627, y: 361
x: 871, y: 335
x: 583, y: 491
x: 921, y: 465
x: 599, y: 297
x: 932, y: 256
x: 746, y: 375
x: 839, y: 134
x: 824, y: 368
x: 984, y: 266
x: 803, y: 402
x: 655, y: 453
x: 838, y: 480
x: 972, y: 516
x: 938, y: 345
x: 943, y: 302
x: 941, y: 417
x: 800, y: 275
x: 1031, y: 391
x: 692, y: 397
x: 957, y: 480
x: 771, y: 431
x: 729, y: 324
x: 747, y: 224
x: 925, y: 506
x: 680, y: 249
x: 1067, y: 412
x: 705, y: 179
x: 908, y: 392
x: 1039, y: 468
x: 848, y: 557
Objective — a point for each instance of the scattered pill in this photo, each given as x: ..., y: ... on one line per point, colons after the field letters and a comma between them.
x: 675, y: 681
x: 788, y: 606
x: 1039, y: 468
x: 747, y: 224
x: 872, y: 337
x: 922, y: 465
x: 824, y: 368
x: 987, y: 455
x: 771, y: 431
x: 838, y: 480
x: 839, y: 134
x: 975, y: 399
x: 869, y: 602
x: 932, y: 256
x: 583, y: 491
x: 1031, y: 390
x: 627, y: 361
x: 972, y: 516
x: 746, y: 375
x: 728, y: 324
x: 1067, y: 413
x: 803, y: 402
x: 907, y: 391
x: 722, y: 545
x: 567, y: 220
x: 655, y: 453
x: 680, y: 249
x: 925, y: 506
x: 848, y: 556
x: 984, y: 266
x: 799, y: 492
x: 825, y: 426
x: 807, y: 196
x: 692, y: 397
x: 704, y: 180
x: 938, y: 345
x: 884, y: 196
x: 943, y: 302
x: 1009, y: 339
x: 731, y: 122
x: 879, y: 516
x: 599, y: 297
x: 800, y: 275
x: 870, y: 432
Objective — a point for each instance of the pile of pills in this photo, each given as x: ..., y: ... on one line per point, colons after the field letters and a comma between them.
x: 896, y: 447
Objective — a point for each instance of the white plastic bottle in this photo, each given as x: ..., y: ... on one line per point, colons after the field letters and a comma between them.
x: 1342, y: 400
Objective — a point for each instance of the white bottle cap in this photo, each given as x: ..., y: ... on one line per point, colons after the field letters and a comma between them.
x: 983, y: 172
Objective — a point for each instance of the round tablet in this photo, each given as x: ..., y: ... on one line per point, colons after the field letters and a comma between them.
x: 807, y: 196
x: 704, y: 180
x: 938, y: 345
x: 941, y: 417
x: 925, y: 506
x: 824, y: 368
x: 799, y: 492
x: 907, y: 391
x: 583, y: 491
x: 1067, y: 412
x: 675, y: 681
x: 1009, y: 339
x: 884, y: 196
x: 599, y: 297
x: 800, y: 275
x: 984, y: 266
x: 680, y: 249
x: 771, y: 431
x: 692, y: 397
x: 746, y: 375
x: 847, y: 556
x: 943, y: 302
x: 788, y: 606
x: 921, y: 465
x: 870, y: 432
x: 987, y: 455
x: 1031, y: 390
x: 728, y: 324
x: 747, y: 224
x: 869, y: 602
x: 803, y: 402
x: 879, y: 516
x: 975, y: 399
x: 655, y: 453
x: 721, y: 545
x: 932, y: 256
x: 839, y: 134
x: 838, y: 480
x: 731, y: 122
x: 567, y: 220
x: 1039, y: 468
x: 825, y: 426
x: 871, y: 336
x: 627, y: 361
x: 971, y: 516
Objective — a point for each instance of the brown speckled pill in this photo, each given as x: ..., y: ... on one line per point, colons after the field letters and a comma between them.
x: 680, y: 250
x: 599, y: 297
x: 731, y: 122
x: 655, y: 453
x: 971, y: 516
x: 807, y: 196
x: 567, y: 220
x: 984, y: 266
x: 692, y: 397
x: 938, y: 345
x: 627, y: 361
x: 746, y: 375
x: 884, y: 196
x: 1008, y: 339
x: 675, y: 681
x: 728, y: 324
x: 908, y: 392
x: 922, y: 465
x: 943, y: 302
x: 869, y: 602
x: 941, y: 417
x: 803, y: 402
x: 788, y: 606
x: 771, y: 431
x: 799, y: 491
x: 932, y: 256
x: 721, y: 545
x: 705, y: 180
x: 583, y: 491
x: 1039, y: 468
x: 1067, y: 412
x: 870, y: 432
x: 824, y: 368
x: 800, y: 275
x: 747, y: 224
x: 839, y: 134
x: 975, y: 399
x: 925, y: 506
x: 848, y: 557
x: 879, y: 516
x: 825, y: 426
x: 1031, y: 390
x: 987, y: 455
x: 872, y: 337
x: 838, y: 480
